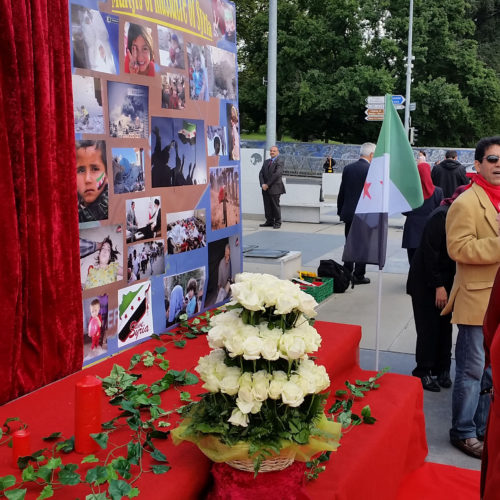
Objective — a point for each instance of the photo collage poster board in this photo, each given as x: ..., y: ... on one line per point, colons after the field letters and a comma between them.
x: 157, y: 132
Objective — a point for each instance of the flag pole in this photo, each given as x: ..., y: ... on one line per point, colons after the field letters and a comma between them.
x: 377, y: 327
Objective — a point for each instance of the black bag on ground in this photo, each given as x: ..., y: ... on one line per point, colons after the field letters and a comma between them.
x: 341, y: 276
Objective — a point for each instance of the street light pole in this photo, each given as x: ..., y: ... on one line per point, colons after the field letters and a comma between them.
x: 271, y: 74
x: 409, y: 64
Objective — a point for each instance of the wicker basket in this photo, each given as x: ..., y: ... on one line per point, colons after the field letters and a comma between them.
x: 273, y: 464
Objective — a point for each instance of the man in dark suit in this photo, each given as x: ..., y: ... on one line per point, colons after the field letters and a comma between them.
x: 353, y: 180
x: 270, y: 178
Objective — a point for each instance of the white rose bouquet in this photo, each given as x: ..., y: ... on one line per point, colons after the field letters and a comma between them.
x: 265, y: 393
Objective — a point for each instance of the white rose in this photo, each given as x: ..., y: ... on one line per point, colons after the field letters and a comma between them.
x: 246, y: 296
x: 230, y: 382
x: 292, y: 347
x: 252, y: 347
x: 234, y: 345
x: 260, y: 385
x: 248, y: 406
x: 308, y: 334
x: 269, y: 349
x: 308, y: 304
x: 211, y: 383
x: 316, y: 374
x: 276, y: 385
x: 238, y: 418
x: 216, y: 337
x: 292, y: 394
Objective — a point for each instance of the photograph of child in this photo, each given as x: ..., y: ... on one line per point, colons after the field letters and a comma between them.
x: 224, y: 262
x: 224, y: 24
x: 135, y: 315
x: 91, y: 180
x: 145, y: 260
x: 186, y: 231
x: 128, y: 110
x: 233, y: 128
x: 171, y: 48
x: 94, y: 39
x: 198, y: 80
x: 95, y: 324
x: 183, y: 295
x: 224, y: 197
x: 139, y: 52
x: 102, y: 264
x: 173, y: 95
x: 87, y: 105
x: 222, y: 73
x: 216, y: 141
x: 181, y: 161
x: 143, y: 218
x: 128, y: 170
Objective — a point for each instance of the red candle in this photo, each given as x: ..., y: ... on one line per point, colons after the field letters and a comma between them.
x: 21, y: 445
x: 87, y: 413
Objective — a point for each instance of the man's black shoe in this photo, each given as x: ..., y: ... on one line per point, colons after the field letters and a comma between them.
x: 276, y: 226
x: 470, y: 446
x: 266, y: 224
x: 444, y: 380
x: 363, y: 280
x: 429, y: 384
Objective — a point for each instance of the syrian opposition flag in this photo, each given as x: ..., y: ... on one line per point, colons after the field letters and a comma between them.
x: 392, y: 186
x: 188, y: 133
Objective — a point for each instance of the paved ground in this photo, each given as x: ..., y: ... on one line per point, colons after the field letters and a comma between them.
x: 359, y: 306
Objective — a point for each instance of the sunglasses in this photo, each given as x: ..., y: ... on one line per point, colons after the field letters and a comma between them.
x: 491, y: 158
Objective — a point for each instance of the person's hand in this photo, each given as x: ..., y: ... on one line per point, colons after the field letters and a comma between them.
x: 265, y: 187
x: 133, y: 65
x: 441, y: 297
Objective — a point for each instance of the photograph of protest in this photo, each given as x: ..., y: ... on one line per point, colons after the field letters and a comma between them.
x: 101, y: 256
x: 138, y: 50
x: 183, y: 295
x: 135, y: 314
x: 171, y: 48
x: 145, y: 260
x: 173, y: 95
x: 233, y: 131
x: 216, y: 141
x: 198, y: 79
x: 143, y: 218
x: 94, y: 38
x: 128, y: 110
x: 128, y: 170
x: 87, y: 105
x: 95, y: 325
x: 224, y: 197
x: 221, y: 73
x: 91, y: 180
x: 178, y: 157
x: 224, y: 263
x: 186, y: 231
x: 224, y: 24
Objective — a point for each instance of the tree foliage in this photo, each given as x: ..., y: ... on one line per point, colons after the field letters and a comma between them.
x: 332, y: 54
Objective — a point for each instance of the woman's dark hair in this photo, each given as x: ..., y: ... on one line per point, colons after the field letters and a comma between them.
x: 192, y: 285
x: 135, y: 30
x: 113, y: 253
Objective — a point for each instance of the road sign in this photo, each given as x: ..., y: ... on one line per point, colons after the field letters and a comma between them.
x: 374, y: 118
x: 375, y: 112
x: 375, y: 99
x: 413, y: 106
x: 398, y: 99
x: 399, y: 106
x: 375, y: 106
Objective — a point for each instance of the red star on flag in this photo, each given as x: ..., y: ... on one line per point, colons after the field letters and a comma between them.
x: 366, y: 187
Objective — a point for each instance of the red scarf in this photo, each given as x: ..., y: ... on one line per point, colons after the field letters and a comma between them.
x: 492, y: 191
x: 424, y: 170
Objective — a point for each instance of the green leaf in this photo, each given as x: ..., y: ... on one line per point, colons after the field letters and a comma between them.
x: 159, y: 434
x: 97, y: 475
x: 15, y: 494
x: 134, y: 492
x: 66, y: 446
x: 118, y: 489
x: 189, y: 335
x: 148, y: 359
x: 159, y: 456
x: 53, y: 436
x: 53, y: 463
x: 160, y: 349
x: 136, y: 358
x: 185, y: 396
x: 134, y: 452
x: 164, y: 365
x: 7, y: 481
x: 340, y: 392
x: 47, y: 492
x: 134, y: 422
x: 28, y: 474
x: 122, y: 466
x: 89, y: 459
x: 44, y: 473
x: 101, y: 439
x: 162, y: 423
x: 96, y: 496
x: 160, y: 469
x: 180, y: 343
x: 67, y: 474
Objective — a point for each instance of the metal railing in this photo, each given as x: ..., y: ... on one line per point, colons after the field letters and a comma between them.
x: 311, y: 166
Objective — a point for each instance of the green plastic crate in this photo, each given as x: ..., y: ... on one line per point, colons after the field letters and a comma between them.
x: 321, y: 292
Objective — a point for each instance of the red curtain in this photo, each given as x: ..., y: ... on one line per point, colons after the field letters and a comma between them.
x: 41, y: 336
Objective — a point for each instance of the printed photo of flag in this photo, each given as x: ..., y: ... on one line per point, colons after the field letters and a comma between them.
x: 392, y: 186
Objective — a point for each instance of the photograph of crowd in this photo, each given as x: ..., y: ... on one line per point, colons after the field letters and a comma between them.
x: 95, y: 39
x: 101, y: 256
x: 216, y: 141
x: 143, y: 218
x: 171, y: 48
x: 233, y: 128
x: 224, y: 262
x: 128, y: 170
x: 178, y: 157
x: 224, y: 27
x: 138, y: 51
x: 183, y: 295
x: 198, y: 79
x: 91, y: 180
x: 224, y: 197
x: 221, y: 73
x: 145, y: 260
x: 87, y: 105
x: 95, y: 325
x: 135, y: 315
x: 186, y: 231
x: 173, y: 95
x: 128, y: 110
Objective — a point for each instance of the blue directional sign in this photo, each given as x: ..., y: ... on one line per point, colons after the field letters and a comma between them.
x: 397, y: 99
